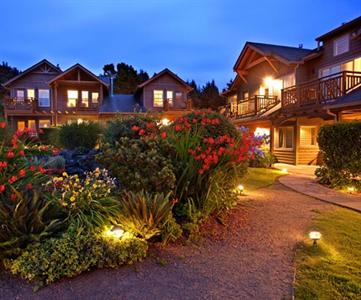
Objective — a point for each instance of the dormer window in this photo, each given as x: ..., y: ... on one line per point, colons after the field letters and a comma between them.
x: 341, y: 45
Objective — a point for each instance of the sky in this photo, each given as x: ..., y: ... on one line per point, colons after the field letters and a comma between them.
x: 197, y: 39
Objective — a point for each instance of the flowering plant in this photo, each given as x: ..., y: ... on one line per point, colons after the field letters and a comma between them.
x: 87, y: 200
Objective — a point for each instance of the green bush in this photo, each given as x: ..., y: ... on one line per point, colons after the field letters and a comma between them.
x: 32, y: 218
x: 263, y: 161
x: 50, y: 136
x: 340, y: 146
x: 70, y: 255
x: 140, y: 164
x: 144, y: 214
x: 75, y: 135
x: 126, y: 127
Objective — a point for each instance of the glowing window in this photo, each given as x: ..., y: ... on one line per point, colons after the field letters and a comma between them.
x: 95, y: 97
x: 32, y: 124
x: 284, y: 138
x: 72, y: 98
x: 44, y: 98
x: 158, y: 98
x: 84, y: 99
x: 20, y: 125
x: 308, y: 136
x: 30, y: 94
x: 44, y: 123
x: 170, y: 97
x: 20, y: 95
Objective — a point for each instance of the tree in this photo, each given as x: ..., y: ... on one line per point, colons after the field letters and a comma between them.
x: 228, y: 85
x: 6, y: 73
x: 207, y: 96
x: 127, y: 78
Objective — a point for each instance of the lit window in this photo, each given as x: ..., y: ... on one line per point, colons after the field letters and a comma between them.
x: 341, y: 45
x: 20, y: 95
x: 44, y: 123
x: 308, y: 136
x: 32, y: 124
x: 20, y: 125
x: 95, y: 97
x: 170, y: 97
x: 44, y: 98
x: 284, y: 138
x: 158, y: 98
x: 72, y: 98
x: 30, y: 94
x: 84, y: 99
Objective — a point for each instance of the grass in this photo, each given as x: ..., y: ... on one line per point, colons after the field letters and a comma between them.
x: 333, y: 269
x: 260, y: 177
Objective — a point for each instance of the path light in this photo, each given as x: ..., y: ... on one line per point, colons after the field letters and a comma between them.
x: 165, y: 122
x: 284, y: 170
x: 314, y: 236
x: 351, y: 189
x: 115, y: 232
x: 240, y: 188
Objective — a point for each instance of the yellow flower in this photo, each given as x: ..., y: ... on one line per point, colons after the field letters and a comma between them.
x: 95, y: 186
x: 72, y: 198
x: 65, y: 174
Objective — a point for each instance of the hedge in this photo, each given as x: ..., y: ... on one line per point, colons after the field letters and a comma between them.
x: 340, y: 146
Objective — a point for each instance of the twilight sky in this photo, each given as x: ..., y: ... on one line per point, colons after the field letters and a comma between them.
x: 199, y: 39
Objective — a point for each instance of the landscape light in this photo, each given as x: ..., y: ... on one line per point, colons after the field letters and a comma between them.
x: 165, y: 122
x: 115, y: 232
x: 240, y: 188
x: 351, y: 189
x: 284, y: 170
x: 314, y: 236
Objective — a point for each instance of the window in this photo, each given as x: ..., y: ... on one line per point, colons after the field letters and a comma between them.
x: 44, y: 123
x: 84, y: 99
x: 308, y: 136
x: 20, y: 125
x: 20, y: 95
x: 95, y: 97
x: 32, y: 124
x: 245, y: 95
x: 44, y: 98
x: 284, y: 138
x: 72, y: 98
x: 289, y: 80
x: 328, y: 71
x: 30, y: 94
x: 179, y: 96
x: 341, y: 45
x: 170, y: 98
x: 158, y: 98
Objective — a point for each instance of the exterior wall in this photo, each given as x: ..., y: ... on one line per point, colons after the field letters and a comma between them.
x: 165, y: 82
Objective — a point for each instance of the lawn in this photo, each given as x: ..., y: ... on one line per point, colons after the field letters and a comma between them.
x: 333, y: 269
x: 260, y: 177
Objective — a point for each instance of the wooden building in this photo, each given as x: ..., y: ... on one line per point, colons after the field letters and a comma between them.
x: 290, y: 92
x: 44, y: 95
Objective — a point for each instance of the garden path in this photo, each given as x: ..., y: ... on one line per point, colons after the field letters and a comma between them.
x: 249, y: 258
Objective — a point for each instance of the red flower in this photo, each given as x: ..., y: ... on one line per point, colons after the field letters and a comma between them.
x: 164, y: 135
x: 32, y: 168
x: 21, y: 153
x: 141, y: 132
x: 12, y: 179
x: 13, y: 196
x: 3, y: 164
x: 135, y: 128
x: 10, y: 154
x: 42, y: 170
x: 150, y: 125
x: 2, y: 125
x: 2, y: 188
x: 29, y: 186
x: 22, y: 173
x: 178, y: 127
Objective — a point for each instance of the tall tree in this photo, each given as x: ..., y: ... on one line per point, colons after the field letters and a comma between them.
x: 127, y: 78
x: 6, y: 73
x: 210, y: 96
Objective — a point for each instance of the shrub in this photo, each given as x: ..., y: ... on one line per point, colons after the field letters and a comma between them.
x: 130, y: 127
x: 340, y: 146
x: 32, y: 217
x: 88, y: 201
x: 144, y: 214
x: 71, y: 255
x: 140, y: 164
x: 264, y: 160
x: 50, y: 136
x: 75, y: 135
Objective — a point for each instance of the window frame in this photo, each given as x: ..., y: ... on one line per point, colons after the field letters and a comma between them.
x: 276, y: 140
x: 70, y: 98
x: 82, y: 99
x: 39, y: 98
x: 170, y: 99
x: 41, y: 126
x: 27, y: 94
x: 315, y: 137
x: 20, y: 98
x: 347, y: 37
x: 154, y: 99
x: 95, y: 101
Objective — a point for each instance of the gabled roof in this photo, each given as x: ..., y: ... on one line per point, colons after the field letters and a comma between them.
x: 33, y: 67
x: 161, y: 73
x: 67, y: 71
x: 339, y: 30
x: 286, y: 54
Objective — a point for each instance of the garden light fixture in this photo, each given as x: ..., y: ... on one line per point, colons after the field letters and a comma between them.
x: 351, y: 189
x: 314, y: 236
x: 284, y: 170
x: 165, y: 122
x: 115, y: 232
x: 240, y: 188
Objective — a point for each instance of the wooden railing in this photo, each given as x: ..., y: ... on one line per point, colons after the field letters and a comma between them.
x: 20, y: 104
x: 320, y: 91
x: 253, y: 106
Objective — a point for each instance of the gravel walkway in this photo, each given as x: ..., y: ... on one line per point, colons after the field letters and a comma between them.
x: 249, y: 258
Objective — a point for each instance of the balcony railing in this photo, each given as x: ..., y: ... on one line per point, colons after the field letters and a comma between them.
x: 20, y: 104
x: 256, y: 105
x: 320, y: 91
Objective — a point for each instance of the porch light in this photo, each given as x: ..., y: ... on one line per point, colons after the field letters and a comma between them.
x: 165, y: 122
x: 351, y: 189
x: 240, y: 188
x: 314, y: 236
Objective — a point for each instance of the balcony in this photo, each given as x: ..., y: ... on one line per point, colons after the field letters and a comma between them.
x: 254, y: 106
x: 20, y: 105
x: 320, y: 91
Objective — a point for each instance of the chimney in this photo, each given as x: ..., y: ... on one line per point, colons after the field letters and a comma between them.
x: 300, y: 46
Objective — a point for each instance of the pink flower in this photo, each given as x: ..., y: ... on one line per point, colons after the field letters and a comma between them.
x: 141, y: 132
